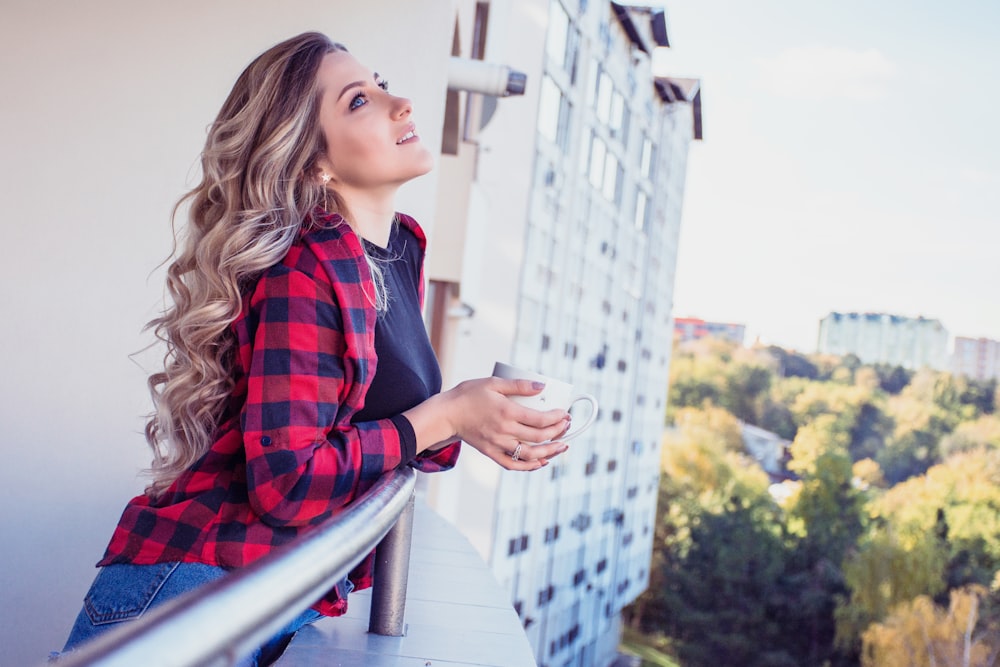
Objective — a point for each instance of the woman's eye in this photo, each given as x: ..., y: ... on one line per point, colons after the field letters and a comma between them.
x: 358, y: 101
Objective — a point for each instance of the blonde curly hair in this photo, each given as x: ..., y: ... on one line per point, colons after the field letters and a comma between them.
x: 259, y: 182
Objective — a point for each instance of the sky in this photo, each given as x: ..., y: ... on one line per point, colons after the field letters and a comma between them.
x: 850, y: 162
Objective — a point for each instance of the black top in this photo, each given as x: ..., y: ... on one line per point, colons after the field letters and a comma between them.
x: 407, y: 372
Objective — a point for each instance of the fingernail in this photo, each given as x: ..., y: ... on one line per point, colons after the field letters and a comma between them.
x: 537, y: 385
x: 564, y: 448
x: 544, y: 462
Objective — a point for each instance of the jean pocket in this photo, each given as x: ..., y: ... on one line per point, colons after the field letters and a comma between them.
x: 124, y: 591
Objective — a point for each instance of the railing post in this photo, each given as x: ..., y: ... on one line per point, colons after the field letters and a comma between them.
x: 392, y: 568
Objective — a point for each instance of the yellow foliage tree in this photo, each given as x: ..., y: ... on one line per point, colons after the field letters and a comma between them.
x: 704, y: 453
x: 983, y: 432
x: 921, y: 634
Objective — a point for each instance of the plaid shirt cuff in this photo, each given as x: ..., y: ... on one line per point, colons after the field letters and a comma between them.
x: 407, y: 438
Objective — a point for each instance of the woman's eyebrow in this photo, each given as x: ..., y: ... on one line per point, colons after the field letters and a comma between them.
x: 353, y: 84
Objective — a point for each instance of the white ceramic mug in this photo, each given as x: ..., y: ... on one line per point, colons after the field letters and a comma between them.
x: 557, y: 394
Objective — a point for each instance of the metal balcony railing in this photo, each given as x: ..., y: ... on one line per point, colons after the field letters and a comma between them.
x: 249, y: 606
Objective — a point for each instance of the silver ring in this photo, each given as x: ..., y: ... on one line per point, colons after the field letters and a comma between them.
x: 516, y: 456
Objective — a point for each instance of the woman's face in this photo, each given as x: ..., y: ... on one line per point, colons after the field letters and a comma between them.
x: 372, y: 143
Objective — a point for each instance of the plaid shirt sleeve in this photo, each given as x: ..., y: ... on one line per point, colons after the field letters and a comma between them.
x: 306, y: 374
x: 310, y: 357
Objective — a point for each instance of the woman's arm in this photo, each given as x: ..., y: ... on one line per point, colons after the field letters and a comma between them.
x: 305, y: 459
x: 481, y: 413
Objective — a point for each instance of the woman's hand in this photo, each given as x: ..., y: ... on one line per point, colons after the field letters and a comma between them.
x: 481, y: 413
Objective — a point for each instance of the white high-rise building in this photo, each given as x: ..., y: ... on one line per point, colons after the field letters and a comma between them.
x: 882, y: 338
x: 554, y: 249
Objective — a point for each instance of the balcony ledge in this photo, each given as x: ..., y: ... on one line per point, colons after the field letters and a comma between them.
x: 456, y: 614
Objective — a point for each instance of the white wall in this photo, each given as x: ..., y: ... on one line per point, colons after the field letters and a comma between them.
x: 102, y: 116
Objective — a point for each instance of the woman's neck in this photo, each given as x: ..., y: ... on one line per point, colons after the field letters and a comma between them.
x: 372, y: 217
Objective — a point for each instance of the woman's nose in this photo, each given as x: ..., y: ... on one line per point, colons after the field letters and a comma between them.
x: 402, y: 107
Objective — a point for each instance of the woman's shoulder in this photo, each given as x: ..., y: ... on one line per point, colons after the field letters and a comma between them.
x: 320, y: 224
x: 410, y: 225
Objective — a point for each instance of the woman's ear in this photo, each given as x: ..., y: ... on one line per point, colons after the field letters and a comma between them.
x: 322, y: 171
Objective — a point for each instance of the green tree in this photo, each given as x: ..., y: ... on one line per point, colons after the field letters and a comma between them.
x: 827, y: 509
x: 892, y: 379
x: 720, y: 550
x: 693, y: 383
x: 719, y: 593
x: 793, y: 364
x: 886, y: 570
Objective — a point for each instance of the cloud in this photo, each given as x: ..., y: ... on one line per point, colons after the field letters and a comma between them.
x: 824, y: 73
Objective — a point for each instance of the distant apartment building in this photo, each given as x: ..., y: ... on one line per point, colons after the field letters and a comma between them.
x: 555, y: 249
x: 976, y: 358
x: 692, y: 328
x: 883, y: 338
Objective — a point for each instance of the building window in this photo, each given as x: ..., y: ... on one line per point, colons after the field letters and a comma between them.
x: 611, y: 184
x: 646, y: 161
x: 649, y: 169
x: 619, y: 118
x: 554, y: 114
x: 558, y: 36
x: 641, y: 202
x: 597, y: 171
x: 562, y: 45
x: 545, y: 595
x: 517, y: 545
x: 605, y: 93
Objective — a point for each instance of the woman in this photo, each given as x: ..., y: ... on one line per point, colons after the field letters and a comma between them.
x: 298, y: 369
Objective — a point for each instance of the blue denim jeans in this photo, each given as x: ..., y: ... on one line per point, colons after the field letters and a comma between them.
x: 123, y: 592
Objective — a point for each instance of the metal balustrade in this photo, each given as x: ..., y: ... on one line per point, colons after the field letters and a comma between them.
x: 228, y: 618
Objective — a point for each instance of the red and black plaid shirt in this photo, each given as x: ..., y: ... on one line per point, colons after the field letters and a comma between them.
x: 287, y: 456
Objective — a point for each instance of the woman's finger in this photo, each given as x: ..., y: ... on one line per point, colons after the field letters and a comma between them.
x: 521, y: 387
x: 525, y: 456
x: 549, y: 433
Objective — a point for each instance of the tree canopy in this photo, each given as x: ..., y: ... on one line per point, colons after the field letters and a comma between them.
x: 884, y: 525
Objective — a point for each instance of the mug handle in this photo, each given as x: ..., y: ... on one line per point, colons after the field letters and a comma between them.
x: 590, y: 418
